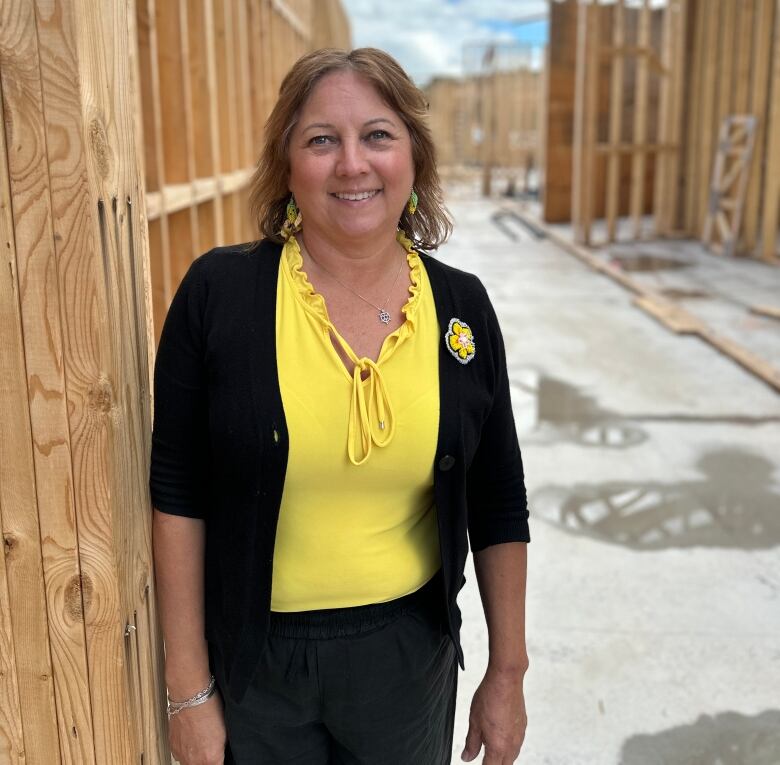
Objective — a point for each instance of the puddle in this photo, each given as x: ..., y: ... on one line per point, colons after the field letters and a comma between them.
x: 562, y: 412
x: 733, y: 506
x: 644, y: 261
x: 728, y: 738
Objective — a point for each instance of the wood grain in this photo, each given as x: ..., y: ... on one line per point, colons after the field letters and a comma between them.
x: 41, y: 314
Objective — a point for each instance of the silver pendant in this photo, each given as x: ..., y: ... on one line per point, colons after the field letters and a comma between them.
x: 384, y: 316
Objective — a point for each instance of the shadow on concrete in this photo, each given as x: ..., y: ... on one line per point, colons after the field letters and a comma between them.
x: 725, y: 739
x: 735, y: 506
x: 563, y: 412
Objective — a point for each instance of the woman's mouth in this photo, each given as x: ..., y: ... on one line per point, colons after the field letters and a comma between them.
x: 356, y: 196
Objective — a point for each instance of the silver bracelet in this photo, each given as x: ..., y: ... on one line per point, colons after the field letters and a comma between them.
x: 201, y: 697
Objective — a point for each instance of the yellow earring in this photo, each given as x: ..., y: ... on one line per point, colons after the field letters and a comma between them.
x: 411, y: 205
x: 293, y: 220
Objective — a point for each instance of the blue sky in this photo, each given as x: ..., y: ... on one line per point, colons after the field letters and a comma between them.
x: 428, y: 37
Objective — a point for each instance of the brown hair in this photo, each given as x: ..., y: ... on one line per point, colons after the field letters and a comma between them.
x: 431, y: 225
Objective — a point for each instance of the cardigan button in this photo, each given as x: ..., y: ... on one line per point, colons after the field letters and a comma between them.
x: 446, y: 462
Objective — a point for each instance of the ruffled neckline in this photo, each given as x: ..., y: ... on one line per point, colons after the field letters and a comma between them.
x: 314, y: 302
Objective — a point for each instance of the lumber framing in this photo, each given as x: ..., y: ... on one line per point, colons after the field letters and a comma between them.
x: 653, y: 82
x: 118, y: 167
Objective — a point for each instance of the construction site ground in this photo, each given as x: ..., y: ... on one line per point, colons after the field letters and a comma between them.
x: 652, y: 466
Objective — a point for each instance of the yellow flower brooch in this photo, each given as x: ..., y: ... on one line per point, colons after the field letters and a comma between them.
x: 460, y: 341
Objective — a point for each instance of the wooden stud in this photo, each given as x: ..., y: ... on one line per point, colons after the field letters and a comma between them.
x: 28, y: 718
x: 615, y: 122
x: 693, y: 116
x: 20, y: 79
x: 708, y: 115
x: 209, y: 44
x: 585, y: 120
x: 189, y: 119
x: 759, y: 105
x: 641, y: 110
x: 146, y: 21
x: 744, y: 46
x: 771, y: 212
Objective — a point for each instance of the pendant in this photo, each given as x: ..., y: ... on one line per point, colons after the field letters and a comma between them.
x: 384, y: 316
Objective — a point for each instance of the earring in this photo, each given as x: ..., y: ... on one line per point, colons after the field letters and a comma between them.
x: 411, y: 205
x: 293, y: 220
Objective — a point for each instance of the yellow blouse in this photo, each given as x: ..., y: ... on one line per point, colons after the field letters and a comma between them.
x: 357, y: 522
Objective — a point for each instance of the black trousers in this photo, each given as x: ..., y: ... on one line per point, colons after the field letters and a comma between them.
x: 369, y: 685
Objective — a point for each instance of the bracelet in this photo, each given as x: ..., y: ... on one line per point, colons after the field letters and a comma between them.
x: 201, y: 697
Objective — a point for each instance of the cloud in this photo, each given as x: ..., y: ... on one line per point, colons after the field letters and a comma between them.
x: 428, y: 37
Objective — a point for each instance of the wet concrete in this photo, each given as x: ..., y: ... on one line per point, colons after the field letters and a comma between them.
x: 728, y: 738
x: 733, y: 505
x: 653, y: 471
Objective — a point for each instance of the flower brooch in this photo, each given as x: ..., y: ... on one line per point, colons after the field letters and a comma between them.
x: 460, y: 341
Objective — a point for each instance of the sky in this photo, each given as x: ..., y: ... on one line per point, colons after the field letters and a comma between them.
x: 435, y: 37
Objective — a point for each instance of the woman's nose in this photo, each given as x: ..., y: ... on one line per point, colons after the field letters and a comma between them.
x: 352, y: 159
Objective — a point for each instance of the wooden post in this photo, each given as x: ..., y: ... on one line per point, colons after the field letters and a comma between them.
x: 771, y: 213
x: 639, y: 159
x: 615, y: 120
x: 585, y: 120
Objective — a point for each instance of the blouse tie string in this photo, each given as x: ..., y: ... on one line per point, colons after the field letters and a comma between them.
x: 371, y: 419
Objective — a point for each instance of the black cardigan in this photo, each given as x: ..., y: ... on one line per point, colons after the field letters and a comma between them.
x: 219, y: 443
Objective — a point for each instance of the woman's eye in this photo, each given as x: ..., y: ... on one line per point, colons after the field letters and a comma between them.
x: 378, y: 135
x: 320, y: 140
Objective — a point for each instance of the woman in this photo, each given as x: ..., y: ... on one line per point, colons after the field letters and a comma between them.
x: 332, y: 424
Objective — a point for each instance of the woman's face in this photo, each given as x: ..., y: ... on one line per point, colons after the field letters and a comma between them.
x: 351, y: 167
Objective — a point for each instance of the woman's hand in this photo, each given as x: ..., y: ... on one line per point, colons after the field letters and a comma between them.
x: 497, y: 718
x: 197, y: 735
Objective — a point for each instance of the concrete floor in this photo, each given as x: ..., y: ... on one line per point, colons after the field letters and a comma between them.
x: 653, y: 471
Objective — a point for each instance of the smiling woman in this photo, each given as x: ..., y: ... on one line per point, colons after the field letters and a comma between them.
x: 313, y: 393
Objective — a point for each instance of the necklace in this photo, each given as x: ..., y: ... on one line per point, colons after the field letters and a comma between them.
x: 384, y: 316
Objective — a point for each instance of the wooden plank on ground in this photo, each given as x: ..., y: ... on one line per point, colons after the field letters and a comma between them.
x: 770, y: 311
x: 42, y: 331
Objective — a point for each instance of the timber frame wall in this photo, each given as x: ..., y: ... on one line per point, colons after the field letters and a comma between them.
x: 205, y: 95
x: 505, y: 106
x: 80, y: 651
x: 650, y: 88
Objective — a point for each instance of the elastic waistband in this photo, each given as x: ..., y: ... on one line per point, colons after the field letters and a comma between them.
x: 341, y: 622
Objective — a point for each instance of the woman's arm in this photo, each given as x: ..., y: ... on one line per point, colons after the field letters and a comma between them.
x: 498, y: 717
x: 197, y: 735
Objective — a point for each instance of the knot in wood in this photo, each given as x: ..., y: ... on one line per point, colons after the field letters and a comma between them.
x: 78, y: 596
x: 100, y: 148
x: 100, y: 395
x: 9, y: 542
